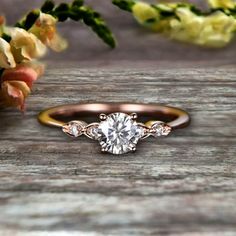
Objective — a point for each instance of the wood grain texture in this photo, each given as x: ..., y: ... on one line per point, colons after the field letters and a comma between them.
x: 51, y: 185
x: 181, y: 185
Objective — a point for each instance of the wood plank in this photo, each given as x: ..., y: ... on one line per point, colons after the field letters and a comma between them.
x: 181, y: 185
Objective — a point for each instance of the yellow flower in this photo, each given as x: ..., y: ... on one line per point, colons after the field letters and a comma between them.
x: 6, y: 57
x: 149, y: 17
x: 222, y: 3
x: 144, y: 12
x: 187, y: 27
x: 45, y: 29
x: 218, y: 30
x: 215, y: 30
x: 25, y: 45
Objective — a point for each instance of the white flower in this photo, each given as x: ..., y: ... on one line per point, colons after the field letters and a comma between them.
x: 25, y: 45
x: 45, y: 29
x: 6, y: 57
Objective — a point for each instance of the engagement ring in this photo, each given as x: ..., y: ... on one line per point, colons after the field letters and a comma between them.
x: 119, y: 129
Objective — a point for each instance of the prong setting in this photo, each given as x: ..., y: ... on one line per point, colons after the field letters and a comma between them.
x: 103, y: 149
x: 134, y: 116
x: 102, y: 117
x: 133, y: 148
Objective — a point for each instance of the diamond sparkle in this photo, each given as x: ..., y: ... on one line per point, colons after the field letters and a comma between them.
x: 119, y: 133
x: 160, y: 129
x: 73, y: 128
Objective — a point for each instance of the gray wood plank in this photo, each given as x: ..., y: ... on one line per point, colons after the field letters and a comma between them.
x: 181, y: 185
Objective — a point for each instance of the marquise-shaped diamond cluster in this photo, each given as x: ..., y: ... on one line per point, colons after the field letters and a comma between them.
x: 74, y: 128
x: 160, y: 129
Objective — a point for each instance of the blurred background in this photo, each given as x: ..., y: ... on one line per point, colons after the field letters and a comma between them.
x: 134, y: 42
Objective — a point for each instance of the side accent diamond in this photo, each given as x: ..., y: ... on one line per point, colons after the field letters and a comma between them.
x: 160, y: 129
x: 74, y: 128
x: 91, y: 131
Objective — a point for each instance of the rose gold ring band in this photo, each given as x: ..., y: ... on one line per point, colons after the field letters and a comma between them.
x: 149, y: 113
x: 118, y: 131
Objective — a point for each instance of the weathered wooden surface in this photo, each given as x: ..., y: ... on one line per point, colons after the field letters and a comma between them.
x: 181, y: 185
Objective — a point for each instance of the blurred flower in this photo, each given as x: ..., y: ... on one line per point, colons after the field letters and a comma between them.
x: 6, y: 57
x: 45, y: 29
x: 13, y: 94
x: 149, y: 15
x: 17, y: 83
x: 222, y: 3
x: 25, y: 45
x: 2, y: 23
x: 218, y: 30
x: 34, y: 65
x: 2, y: 20
x: 144, y: 12
x: 215, y: 30
x: 182, y: 23
x: 27, y: 72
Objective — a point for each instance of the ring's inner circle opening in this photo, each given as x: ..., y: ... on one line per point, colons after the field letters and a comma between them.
x: 89, y: 113
x: 90, y: 116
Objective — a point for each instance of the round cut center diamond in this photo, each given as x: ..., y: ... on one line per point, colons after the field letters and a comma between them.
x: 119, y: 133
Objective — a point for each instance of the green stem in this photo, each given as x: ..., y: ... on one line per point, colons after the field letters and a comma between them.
x: 125, y: 5
x: 76, y: 11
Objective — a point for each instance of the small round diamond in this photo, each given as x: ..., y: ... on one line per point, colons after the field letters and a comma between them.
x: 119, y: 133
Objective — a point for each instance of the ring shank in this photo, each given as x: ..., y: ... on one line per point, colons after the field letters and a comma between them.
x: 175, y: 117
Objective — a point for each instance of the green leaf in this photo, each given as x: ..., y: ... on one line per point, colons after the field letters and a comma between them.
x: 62, y: 15
x: 62, y: 11
x: 75, y: 11
x: 105, y: 34
x: 6, y: 37
x: 48, y: 6
x: 62, y: 7
x: 97, y: 24
x: 31, y: 19
x: 75, y: 14
x: 77, y: 3
x: 124, y: 4
x: 19, y: 25
x: 1, y: 71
